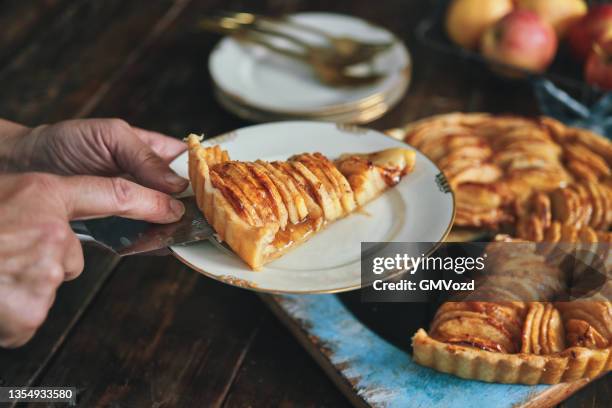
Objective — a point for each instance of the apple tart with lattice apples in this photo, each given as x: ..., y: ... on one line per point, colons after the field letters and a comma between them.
x: 263, y: 209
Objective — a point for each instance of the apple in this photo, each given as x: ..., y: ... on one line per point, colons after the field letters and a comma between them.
x: 466, y: 20
x: 598, y: 68
x: 591, y: 27
x: 521, y: 39
x: 561, y: 14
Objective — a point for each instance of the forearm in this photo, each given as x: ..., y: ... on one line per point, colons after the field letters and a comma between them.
x: 11, y: 134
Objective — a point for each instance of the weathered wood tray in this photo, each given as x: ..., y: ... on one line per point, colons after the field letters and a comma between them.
x: 365, y: 351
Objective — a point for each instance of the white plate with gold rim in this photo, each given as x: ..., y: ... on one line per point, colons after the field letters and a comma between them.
x: 418, y: 209
x: 255, y: 76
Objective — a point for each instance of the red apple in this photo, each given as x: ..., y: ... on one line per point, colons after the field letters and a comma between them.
x: 591, y: 27
x: 598, y: 69
x: 561, y: 14
x: 521, y: 39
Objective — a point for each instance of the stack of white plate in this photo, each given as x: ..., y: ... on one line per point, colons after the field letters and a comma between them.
x: 260, y: 85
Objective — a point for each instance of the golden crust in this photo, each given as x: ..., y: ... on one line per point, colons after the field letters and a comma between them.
x: 522, y: 368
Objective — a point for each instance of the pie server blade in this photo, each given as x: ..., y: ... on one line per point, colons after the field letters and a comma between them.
x: 127, y: 237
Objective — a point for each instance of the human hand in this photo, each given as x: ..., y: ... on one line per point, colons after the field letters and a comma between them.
x: 101, y: 147
x: 38, y: 250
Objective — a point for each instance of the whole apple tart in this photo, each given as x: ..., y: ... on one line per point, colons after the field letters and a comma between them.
x: 537, y: 181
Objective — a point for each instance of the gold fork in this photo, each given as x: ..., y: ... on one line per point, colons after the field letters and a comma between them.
x: 324, y: 62
x: 348, y: 50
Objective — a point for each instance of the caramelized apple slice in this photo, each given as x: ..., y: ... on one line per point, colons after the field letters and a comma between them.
x: 531, y: 329
x: 237, y: 199
x: 292, y: 195
x: 436, y: 150
x: 347, y: 197
x: 477, y: 197
x: 268, y: 187
x: 595, y: 163
x: 580, y: 333
x: 318, y: 196
x: 493, y: 324
x: 238, y: 174
x: 606, y: 207
x: 553, y: 233
x: 552, y: 338
x: 598, y: 315
x: 565, y: 204
x: 595, y: 143
x: 530, y: 228
x: 324, y: 193
x: 369, y: 174
x: 469, y: 154
x: 585, y: 202
x: 607, y: 191
x: 478, y: 173
x: 581, y: 171
x: 468, y: 329
x: 596, y: 204
x: 335, y: 184
x: 542, y: 209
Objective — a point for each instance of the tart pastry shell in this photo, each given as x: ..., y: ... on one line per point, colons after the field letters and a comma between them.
x: 467, y: 362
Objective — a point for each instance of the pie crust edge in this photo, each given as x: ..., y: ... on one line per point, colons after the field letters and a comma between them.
x: 470, y: 363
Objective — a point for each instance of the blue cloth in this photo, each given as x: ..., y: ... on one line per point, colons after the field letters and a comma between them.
x: 558, y: 104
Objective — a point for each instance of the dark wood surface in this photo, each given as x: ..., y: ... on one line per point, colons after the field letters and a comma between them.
x: 146, y: 331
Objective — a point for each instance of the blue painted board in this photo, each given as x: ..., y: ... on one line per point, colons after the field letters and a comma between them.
x: 382, y: 375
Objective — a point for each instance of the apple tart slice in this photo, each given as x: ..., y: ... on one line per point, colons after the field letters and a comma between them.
x: 263, y: 209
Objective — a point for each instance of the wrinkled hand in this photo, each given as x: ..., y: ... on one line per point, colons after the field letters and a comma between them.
x: 38, y: 250
x: 101, y: 147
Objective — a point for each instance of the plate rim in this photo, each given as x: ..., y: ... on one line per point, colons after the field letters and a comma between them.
x: 404, y: 75
x: 241, y: 283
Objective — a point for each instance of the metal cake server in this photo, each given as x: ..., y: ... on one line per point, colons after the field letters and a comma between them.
x: 127, y: 237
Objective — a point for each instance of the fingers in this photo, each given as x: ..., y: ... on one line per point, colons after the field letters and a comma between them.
x: 138, y: 159
x: 31, y: 276
x: 167, y: 148
x: 6, y: 126
x: 21, y: 314
x: 94, y: 197
x: 73, y: 258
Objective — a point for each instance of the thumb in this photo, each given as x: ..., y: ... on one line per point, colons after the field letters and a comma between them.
x: 94, y: 197
x: 139, y: 160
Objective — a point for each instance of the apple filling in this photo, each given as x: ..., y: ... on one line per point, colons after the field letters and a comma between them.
x: 293, y: 234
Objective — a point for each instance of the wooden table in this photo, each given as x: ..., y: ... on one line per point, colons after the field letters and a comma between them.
x: 147, y: 331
